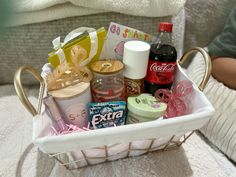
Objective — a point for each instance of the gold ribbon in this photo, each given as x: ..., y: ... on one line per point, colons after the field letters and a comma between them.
x: 67, y: 74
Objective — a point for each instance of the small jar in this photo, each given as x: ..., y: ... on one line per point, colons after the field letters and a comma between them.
x: 108, y: 81
x: 144, y: 108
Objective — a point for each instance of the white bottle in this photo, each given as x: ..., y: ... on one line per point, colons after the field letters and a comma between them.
x: 135, y: 58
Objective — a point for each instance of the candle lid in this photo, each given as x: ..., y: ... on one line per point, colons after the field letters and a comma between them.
x: 107, y: 66
x: 147, y: 106
x: 70, y: 91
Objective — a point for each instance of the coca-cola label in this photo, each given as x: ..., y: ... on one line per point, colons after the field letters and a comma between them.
x: 160, y: 72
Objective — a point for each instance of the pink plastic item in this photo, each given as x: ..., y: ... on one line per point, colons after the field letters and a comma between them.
x: 70, y: 129
x: 177, y: 99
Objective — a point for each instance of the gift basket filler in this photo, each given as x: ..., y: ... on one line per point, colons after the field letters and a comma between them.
x: 110, y: 95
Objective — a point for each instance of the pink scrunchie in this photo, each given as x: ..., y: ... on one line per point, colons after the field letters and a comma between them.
x: 177, y: 99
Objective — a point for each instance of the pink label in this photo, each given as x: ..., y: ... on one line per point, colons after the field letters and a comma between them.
x: 77, y: 115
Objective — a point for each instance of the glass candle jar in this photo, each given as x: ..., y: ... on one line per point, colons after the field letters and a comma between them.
x: 108, y: 81
x: 73, y: 101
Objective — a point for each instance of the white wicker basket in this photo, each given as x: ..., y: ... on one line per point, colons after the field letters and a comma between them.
x: 91, y: 147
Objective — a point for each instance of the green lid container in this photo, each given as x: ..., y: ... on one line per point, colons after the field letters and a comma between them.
x: 144, y: 108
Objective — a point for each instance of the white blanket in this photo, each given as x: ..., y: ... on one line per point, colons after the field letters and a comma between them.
x: 33, y: 11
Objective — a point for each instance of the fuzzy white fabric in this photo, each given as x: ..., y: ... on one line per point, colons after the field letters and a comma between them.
x: 21, y: 159
x: 221, y: 128
x: 33, y: 11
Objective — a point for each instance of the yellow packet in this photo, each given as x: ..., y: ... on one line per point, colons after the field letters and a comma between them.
x: 83, y: 41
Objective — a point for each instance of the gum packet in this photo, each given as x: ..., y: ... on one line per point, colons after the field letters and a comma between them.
x: 107, y: 114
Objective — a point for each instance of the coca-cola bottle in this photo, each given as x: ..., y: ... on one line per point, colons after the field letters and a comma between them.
x: 162, y: 61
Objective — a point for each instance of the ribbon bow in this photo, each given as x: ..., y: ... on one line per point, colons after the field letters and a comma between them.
x: 177, y: 100
x: 67, y: 74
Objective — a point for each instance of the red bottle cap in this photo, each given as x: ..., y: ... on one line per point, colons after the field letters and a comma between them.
x: 165, y: 27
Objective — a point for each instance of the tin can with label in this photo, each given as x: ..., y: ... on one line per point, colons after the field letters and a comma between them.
x: 108, y: 81
x: 72, y: 102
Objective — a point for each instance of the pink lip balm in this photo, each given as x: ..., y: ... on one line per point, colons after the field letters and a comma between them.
x: 55, y: 113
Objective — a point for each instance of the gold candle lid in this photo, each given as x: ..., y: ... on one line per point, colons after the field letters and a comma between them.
x: 107, y: 66
x: 70, y: 91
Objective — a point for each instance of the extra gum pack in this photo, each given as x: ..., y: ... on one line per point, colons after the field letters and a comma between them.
x: 107, y: 114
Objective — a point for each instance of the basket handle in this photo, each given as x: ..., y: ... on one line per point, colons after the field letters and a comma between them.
x: 208, y: 65
x: 20, y: 90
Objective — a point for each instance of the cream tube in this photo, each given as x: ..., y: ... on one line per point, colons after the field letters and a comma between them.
x: 55, y: 113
